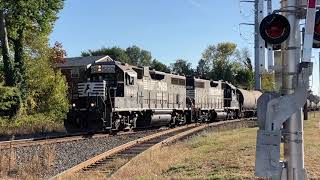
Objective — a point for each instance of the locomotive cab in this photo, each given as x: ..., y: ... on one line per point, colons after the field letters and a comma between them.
x: 93, y: 103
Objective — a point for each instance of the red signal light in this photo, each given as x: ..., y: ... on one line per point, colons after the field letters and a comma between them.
x: 274, y: 29
x: 316, y: 35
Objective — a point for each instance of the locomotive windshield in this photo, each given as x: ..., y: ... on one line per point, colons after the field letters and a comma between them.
x: 105, y: 72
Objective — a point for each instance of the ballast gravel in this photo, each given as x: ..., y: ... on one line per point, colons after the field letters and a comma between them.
x: 45, y: 161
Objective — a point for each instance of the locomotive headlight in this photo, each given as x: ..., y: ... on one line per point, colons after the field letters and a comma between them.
x: 92, y: 104
x: 74, y: 105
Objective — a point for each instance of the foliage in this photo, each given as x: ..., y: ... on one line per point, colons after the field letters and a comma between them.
x: 203, y: 69
x: 182, y: 67
x: 47, y: 89
x: 28, y: 17
x: 267, y: 82
x: 157, y: 65
x: 116, y: 53
x: 1, y: 73
x: 9, y: 101
x: 43, y: 91
x: 132, y: 55
x: 58, y: 53
x: 225, y: 62
x: 245, y: 78
x: 138, y: 56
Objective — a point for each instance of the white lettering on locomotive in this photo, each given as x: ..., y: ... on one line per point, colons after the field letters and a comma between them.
x: 155, y: 85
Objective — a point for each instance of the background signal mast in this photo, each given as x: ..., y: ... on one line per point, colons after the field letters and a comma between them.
x: 280, y: 112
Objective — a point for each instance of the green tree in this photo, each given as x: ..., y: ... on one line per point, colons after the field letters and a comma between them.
x: 58, y: 53
x: 225, y: 62
x: 8, y: 74
x: 47, y: 88
x: 157, y: 65
x: 182, y: 67
x: 132, y: 55
x: 145, y: 58
x: 221, y: 58
x: 116, y: 53
x: 203, y: 69
x: 25, y: 17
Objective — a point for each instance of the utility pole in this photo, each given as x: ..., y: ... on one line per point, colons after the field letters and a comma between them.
x: 259, y: 54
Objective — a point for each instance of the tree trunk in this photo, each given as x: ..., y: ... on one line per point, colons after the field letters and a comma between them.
x: 19, y: 63
x: 8, y: 64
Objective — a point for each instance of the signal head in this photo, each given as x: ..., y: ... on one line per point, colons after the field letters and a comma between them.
x: 274, y: 29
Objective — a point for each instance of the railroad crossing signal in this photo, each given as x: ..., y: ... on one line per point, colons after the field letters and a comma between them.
x: 274, y: 29
x: 279, y: 113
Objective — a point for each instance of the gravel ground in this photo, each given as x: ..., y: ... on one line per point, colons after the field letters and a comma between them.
x: 43, y: 161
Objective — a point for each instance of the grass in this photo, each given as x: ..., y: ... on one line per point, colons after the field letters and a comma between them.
x: 221, y: 155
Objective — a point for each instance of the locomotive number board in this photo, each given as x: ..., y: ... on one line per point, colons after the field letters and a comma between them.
x: 103, y: 69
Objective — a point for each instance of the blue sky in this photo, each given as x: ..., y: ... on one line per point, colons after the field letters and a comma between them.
x: 169, y: 29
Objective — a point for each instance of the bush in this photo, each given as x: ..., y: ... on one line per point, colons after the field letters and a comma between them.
x: 9, y: 101
x: 47, y: 90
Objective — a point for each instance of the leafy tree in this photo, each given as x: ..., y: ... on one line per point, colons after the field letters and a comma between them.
x: 157, y: 65
x: 245, y: 75
x: 9, y: 100
x: 145, y: 58
x: 115, y: 53
x: 28, y: 24
x: 47, y: 88
x: 132, y: 55
x: 220, y: 58
x: 182, y: 67
x: 225, y: 62
x: 203, y: 69
x: 24, y: 17
x: 1, y: 73
x: 245, y: 59
x: 58, y: 53
x: 9, y: 74
x: 245, y: 78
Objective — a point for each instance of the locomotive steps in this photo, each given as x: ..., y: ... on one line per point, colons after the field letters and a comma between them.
x: 110, y: 161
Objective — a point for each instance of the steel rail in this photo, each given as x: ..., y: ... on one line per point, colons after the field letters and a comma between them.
x: 134, y: 148
x: 55, y: 139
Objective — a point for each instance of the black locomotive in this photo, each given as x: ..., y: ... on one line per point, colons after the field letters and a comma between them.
x: 118, y: 96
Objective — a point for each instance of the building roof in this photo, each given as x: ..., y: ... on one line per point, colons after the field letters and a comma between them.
x: 81, y: 61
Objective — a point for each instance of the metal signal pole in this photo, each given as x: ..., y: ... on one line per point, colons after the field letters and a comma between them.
x: 259, y: 54
x: 293, y: 127
x: 280, y: 114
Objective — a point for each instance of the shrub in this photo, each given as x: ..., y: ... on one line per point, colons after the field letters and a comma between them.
x: 47, y: 90
x: 9, y: 101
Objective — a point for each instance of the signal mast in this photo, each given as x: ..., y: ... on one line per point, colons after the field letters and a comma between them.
x: 280, y: 113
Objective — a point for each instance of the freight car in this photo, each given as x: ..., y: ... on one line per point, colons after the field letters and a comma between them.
x: 118, y: 96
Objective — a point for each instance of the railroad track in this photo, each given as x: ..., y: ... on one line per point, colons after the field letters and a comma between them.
x: 54, y: 139
x: 110, y: 161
